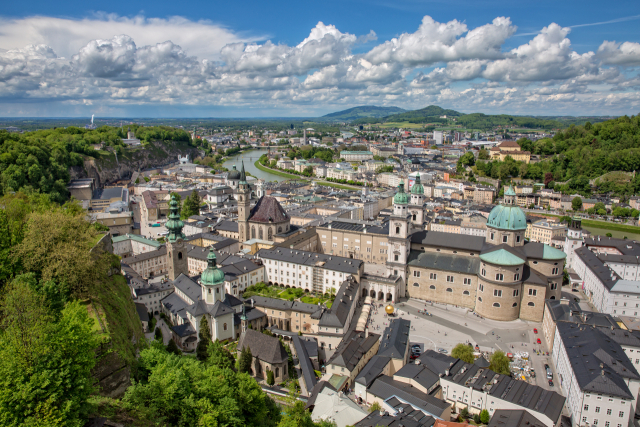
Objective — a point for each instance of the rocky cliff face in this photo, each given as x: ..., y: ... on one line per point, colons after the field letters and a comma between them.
x: 111, y: 167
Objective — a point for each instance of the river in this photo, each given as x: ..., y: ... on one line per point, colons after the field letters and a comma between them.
x: 249, y: 158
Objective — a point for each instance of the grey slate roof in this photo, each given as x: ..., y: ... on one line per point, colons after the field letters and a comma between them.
x: 143, y: 314
x: 514, y: 418
x: 448, y: 240
x: 598, y: 362
x: 447, y: 262
x: 395, y: 339
x: 420, y: 374
x: 372, y: 370
x: 607, y: 276
x: 570, y: 311
x: 263, y: 347
x: 183, y: 330
x: 280, y: 304
x: 330, y: 262
x: 227, y: 226
x: 305, y: 363
x: 352, y: 348
x: 160, y: 252
x: 337, y: 315
x: 385, y: 387
x: 409, y: 417
x: 349, y: 226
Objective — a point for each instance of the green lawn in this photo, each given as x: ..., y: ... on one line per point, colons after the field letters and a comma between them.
x: 340, y: 186
x: 277, y: 172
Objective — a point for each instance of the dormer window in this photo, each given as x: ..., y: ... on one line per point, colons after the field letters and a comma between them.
x: 504, y: 239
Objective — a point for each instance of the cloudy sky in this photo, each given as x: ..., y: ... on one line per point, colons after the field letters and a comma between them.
x: 277, y: 58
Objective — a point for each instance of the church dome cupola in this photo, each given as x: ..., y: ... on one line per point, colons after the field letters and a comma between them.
x: 507, y: 216
x: 234, y: 174
x: 401, y: 198
x: 174, y: 224
x: 212, y: 275
x: 417, y: 187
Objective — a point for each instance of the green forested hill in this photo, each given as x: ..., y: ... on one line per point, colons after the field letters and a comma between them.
x: 363, y: 111
x: 578, y: 154
x: 39, y: 161
x: 430, y: 114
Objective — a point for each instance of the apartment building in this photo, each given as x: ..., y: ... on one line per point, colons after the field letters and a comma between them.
x: 308, y: 270
x: 598, y: 379
x: 149, y: 264
x: 544, y: 231
x: 356, y: 156
x: 447, y: 226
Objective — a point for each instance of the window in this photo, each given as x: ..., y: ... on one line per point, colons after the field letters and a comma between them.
x: 595, y: 421
x: 554, y: 286
x: 554, y: 271
x: 449, y: 290
x: 433, y: 276
x: 499, y: 277
x: 516, y: 277
x: 484, y: 272
x: 450, y: 279
x: 530, y: 304
x: 607, y: 423
x: 586, y: 407
x: 584, y: 419
x: 597, y: 409
x: 496, y: 304
x: 517, y: 239
x: 480, y: 299
x: 432, y: 287
x: 621, y: 414
x: 467, y: 281
x: 416, y: 273
x: 497, y: 293
x: 492, y: 235
x: 416, y: 285
x: 533, y: 292
x: 481, y: 287
x: 515, y: 304
x: 465, y: 292
x: 396, y: 257
x: 224, y: 326
x: 504, y: 239
x: 516, y: 292
x: 397, y: 230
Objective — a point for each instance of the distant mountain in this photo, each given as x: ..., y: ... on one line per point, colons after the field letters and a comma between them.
x: 363, y: 112
x: 422, y: 115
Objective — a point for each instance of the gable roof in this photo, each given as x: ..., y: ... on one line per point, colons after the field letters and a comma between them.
x: 395, y: 339
x: 263, y: 347
x: 268, y: 210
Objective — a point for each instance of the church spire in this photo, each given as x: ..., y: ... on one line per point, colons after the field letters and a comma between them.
x: 243, y: 175
x: 174, y: 224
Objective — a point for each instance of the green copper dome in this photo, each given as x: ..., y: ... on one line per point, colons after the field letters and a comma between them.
x: 212, y: 275
x: 505, y: 217
x: 233, y: 174
x: 417, y: 187
x: 175, y: 224
x: 401, y: 198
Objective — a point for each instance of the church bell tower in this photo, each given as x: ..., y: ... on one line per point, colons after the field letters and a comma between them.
x: 176, y: 248
x: 244, y: 198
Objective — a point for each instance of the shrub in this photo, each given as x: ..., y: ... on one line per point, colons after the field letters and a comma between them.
x: 270, y: 378
x: 484, y: 417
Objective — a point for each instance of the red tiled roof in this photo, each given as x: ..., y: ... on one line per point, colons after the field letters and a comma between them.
x: 268, y: 210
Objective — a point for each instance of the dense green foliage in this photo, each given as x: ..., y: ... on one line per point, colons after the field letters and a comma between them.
x: 578, y: 154
x: 46, y: 357
x: 202, y: 350
x: 182, y: 391
x: 499, y: 363
x: 488, y: 122
x: 463, y: 352
x: 191, y: 205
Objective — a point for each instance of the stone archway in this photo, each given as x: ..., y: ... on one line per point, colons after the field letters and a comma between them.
x: 389, y: 296
x: 364, y: 293
x: 380, y: 296
x: 372, y: 294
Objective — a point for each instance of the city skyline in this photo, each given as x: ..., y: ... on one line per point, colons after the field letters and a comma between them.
x: 256, y: 60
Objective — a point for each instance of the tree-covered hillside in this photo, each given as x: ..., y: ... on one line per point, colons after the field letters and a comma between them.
x: 363, y: 112
x: 39, y: 161
x: 488, y: 122
x: 429, y: 114
x: 578, y: 154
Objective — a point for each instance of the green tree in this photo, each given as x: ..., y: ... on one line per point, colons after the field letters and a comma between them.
x: 191, y: 205
x: 245, y: 361
x: 499, y: 363
x: 205, y: 339
x: 602, y: 212
x: 375, y: 407
x: 576, y: 203
x: 270, y: 378
x: 158, y: 334
x: 172, y: 347
x: 609, y: 235
x: 485, y: 417
x: 296, y: 414
x: 45, y: 365
x: 220, y: 356
x: 463, y: 352
x: 483, y: 154
x: 464, y: 413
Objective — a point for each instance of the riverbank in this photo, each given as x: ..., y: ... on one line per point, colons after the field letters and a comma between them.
x: 299, y: 178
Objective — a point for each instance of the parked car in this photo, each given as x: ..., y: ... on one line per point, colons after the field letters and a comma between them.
x: 551, y: 383
x: 442, y: 350
x: 414, y: 356
x: 574, y: 290
x: 538, y: 341
x: 535, y: 330
x: 415, y: 347
x: 546, y: 366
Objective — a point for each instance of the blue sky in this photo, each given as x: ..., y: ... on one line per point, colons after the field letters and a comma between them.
x: 277, y: 58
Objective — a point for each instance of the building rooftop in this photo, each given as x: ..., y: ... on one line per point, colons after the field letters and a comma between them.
x: 395, y: 339
x: 264, y: 347
x: 352, y: 348
x: 372, y: 370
